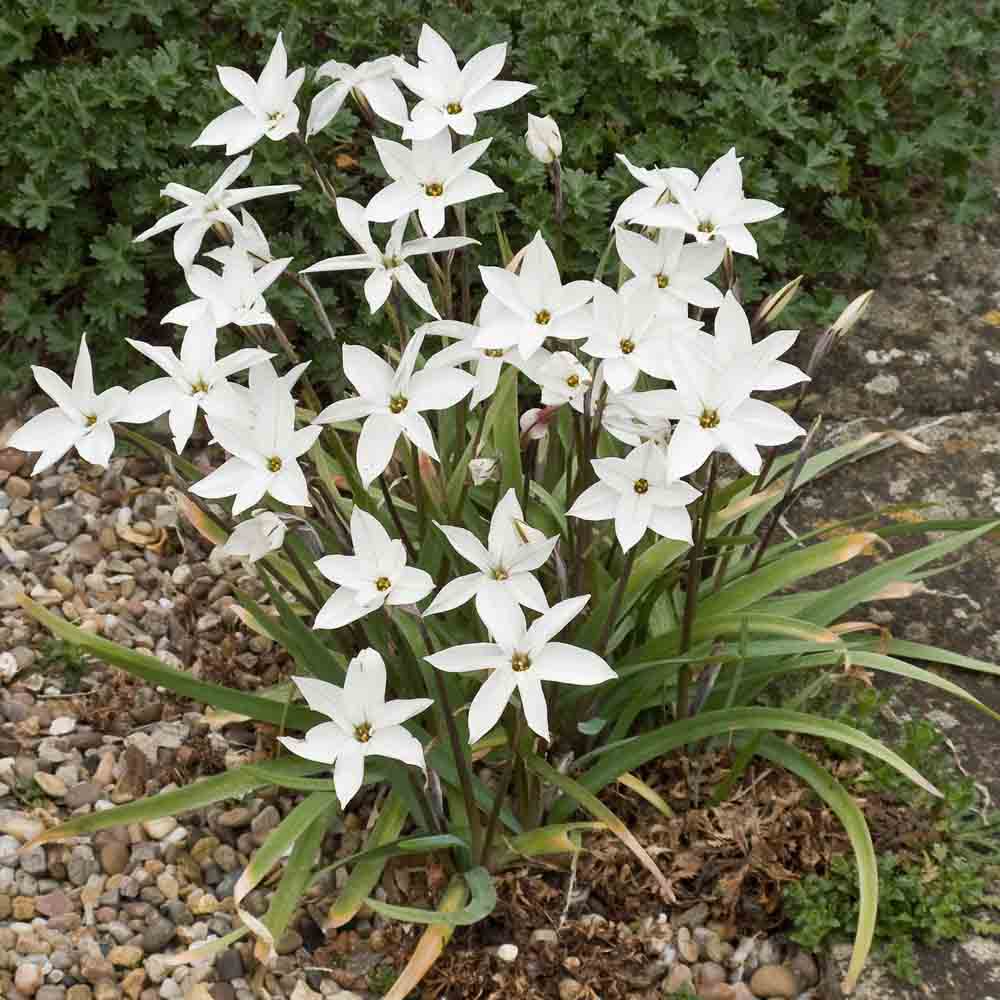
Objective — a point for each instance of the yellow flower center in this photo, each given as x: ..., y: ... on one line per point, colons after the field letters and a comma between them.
x: 573, y: 381
x: 91, y: 419
x: 454, y: 108
x: 500, y: 574
x: 709, y: 419
x: 274, y: 464
x: 382, y: 584
x: 391, y: 262
x: 627, y: 346
x: 662, y: 280
x: 520, y: 662
x: 706, y: 227
x: 542, y: 317
x: 397, y: 404
x: 363, y: 733
x: 200, y: 386
x: 434, y: 190
x: 641, y: 486
x: 494, y: 352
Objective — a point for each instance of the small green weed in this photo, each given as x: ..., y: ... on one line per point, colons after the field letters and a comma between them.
x: 59, y: 655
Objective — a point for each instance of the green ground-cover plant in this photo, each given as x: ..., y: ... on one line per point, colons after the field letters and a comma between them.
x: 587, y: 447
x: 935, y: 890
x: 857, y: 112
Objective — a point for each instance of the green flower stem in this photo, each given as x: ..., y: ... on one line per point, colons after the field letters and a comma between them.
x: 693, y: 585
x: 396, y: 519
x: 501, y: 789
x: 616, y: 602
x: 317, y: 169
x: 304, y: 572
x: 463, y: 760
x: 358, y: 491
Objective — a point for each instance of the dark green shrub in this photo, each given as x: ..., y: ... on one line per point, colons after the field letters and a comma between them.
x: 849, y: 113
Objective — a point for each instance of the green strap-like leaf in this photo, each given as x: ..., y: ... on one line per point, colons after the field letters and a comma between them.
x: 507, y: 431
x: 635, y: 752
x: 153, y: 671
x: 482, y: 900
x: 835, y: 796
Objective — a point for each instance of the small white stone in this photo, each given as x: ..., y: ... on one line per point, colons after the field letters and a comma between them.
x: 507, y: 953
x: 62, y: 725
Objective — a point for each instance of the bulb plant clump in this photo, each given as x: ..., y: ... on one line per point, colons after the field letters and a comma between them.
x: 536, y: 535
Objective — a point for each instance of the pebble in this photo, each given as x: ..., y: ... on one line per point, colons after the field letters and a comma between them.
x: 27, y: 979
x: 125, y: 955
x: 805, y: 969
x: 678, y: 981
x: 160, y: 828
x: 114, y: 857
x: 570, y: 989
x: 53, y: 786
x: 157, y: 936
x: 86, y: 793
x: 62, y: 726
x: 774, y: 981
x: 233, y: 819
x: 507, y: 953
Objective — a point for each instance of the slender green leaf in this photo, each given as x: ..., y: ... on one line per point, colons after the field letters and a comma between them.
x: 836, y: 797
x: 507, y: 431
x: 483, y: 899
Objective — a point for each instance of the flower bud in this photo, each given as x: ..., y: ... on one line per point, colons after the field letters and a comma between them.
x: 535, y: 423
x: 854, y: 311
x: 772, y: 307
x: 483, y: 470
x: 543, y: 139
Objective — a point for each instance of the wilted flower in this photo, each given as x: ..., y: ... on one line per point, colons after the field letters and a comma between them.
x: 534, y: 423
x: 450, y: 96
x: 235, y: 296
x: 202, y: 211
x: 504, y: 569
x: 376, y: 574
x: 255, y: 537
x: 362, y: 724
x: 80, y: 419
x: 519, y: 659
x: 427, y: 179
x: 264, y: 455
x: 267, y: 105
x: 543, y: 138
x: 536, y: 303
x: 194, y: 380
x: 714, y: 209
x: 390, y: 265
x: 392, y: 402
x: 638, y: 492
x: 373, y: 82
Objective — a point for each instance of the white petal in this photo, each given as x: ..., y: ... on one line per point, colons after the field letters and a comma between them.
x: 348, y: 772
x: 320, y: 696
x: 490, y: 701
x: 536, y: 712
x: 690, y: 445
x: 340, y: 609
x: 376, y: 444
x: 394, y: 713
x: 289, y: 485
x: 367, y: 372
x: 546, y: 628
x: 596, y: 503
x: 467, y: 657
x: 396, y: 743
x: 323, y: 743
x: 527, y: 591
x: 411, y: 586
x: 97, y: 445
x: 454, y: 593
x: 378, y: 287
x: 570, y: 665
x: 439, y: 388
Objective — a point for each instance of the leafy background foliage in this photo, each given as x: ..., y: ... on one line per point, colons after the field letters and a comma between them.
x: 849, y: 113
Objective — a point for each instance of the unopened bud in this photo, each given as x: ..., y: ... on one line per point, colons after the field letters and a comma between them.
x: 535, y: 423
x: 483, y: 470
x: 543, y: 138
x: 773, y: 306
x: 854, y: 311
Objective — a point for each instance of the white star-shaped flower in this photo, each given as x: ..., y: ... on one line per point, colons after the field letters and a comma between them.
x: 202, y: 211
x: 264, y: 454
x: 519, y: 659
x: 714, y: 410
x: 267, y: 104
x: 80, y: 419
x: 427, y: 179
x: 362, y: 724
x: 389, y: 265
x: 255, y: 537
x: 392, y: 402
x: 657, y: 189
x: 451, y: 96
x: 235, y: 296
x: 194, y: 381
x: 376, y: 574
x: 714, y: 209
x: 630, y: 336
x: 536, y: 303
x: 637, y: 492
x: 373, y: 82
x: 670, y: 270
x: 561, y: 377
x: 504, y: 570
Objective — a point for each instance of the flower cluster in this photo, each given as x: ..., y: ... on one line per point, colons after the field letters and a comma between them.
x: 636, y: 361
